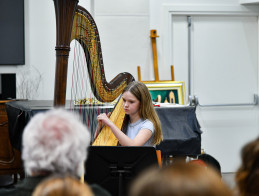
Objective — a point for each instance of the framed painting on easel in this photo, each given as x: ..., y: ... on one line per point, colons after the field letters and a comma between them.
x: 167, y: 91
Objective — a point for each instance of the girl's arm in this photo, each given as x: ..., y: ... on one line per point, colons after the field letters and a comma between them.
x: 142, y: 137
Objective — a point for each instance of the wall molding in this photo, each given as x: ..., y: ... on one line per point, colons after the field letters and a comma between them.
x: 123, y: 14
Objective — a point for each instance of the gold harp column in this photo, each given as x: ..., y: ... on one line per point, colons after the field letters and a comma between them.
x: 65, y: 11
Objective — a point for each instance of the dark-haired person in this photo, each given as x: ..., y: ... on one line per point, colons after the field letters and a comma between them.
x: 247, y: 176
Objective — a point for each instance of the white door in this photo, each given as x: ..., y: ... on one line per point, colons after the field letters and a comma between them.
x: 221, y: 53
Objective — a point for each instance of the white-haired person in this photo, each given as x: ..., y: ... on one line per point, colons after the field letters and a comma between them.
x: 54, y: 142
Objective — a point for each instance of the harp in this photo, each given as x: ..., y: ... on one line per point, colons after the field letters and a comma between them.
x: 73, y: 22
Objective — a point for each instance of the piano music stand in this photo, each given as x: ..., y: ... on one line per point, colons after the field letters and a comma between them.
x: 114, y: 167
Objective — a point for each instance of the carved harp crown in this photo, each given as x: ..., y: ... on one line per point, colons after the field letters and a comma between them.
x: 74, y: 22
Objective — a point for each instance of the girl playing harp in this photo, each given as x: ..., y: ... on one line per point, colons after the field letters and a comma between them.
x: 141, y: 126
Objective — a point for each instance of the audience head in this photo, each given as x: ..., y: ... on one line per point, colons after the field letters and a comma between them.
x: 55, y: 142
x: 247, y: 176
x: 62, y: 186
x: 180, y: 179
x: 210, y: 161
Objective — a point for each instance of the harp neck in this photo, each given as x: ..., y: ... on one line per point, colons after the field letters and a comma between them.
x: 65, y: 10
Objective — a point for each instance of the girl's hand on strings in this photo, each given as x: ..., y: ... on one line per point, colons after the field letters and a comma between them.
x: 100, y: 122
x: 103, y: 119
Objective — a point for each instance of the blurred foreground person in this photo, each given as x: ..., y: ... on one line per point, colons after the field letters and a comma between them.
x: 207, y: 160
x: 180, y: 179
x: 247, y: 176
x: 54, y: 142
x: 211, y: 161
x: 62, y: 186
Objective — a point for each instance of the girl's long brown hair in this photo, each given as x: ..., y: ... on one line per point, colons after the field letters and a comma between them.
x: 146, y: 110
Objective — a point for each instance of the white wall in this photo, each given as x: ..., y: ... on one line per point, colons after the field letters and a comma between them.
x: 124, y: 31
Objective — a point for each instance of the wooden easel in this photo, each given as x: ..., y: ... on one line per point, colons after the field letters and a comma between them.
x: 153, y: 36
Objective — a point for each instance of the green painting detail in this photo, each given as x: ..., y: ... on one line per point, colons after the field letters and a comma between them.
x: 164, y: 95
